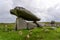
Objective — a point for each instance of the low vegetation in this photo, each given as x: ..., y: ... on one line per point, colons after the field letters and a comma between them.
x: 7, y: 32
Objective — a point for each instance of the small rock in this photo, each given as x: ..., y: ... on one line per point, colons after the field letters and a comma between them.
x: 54, y: 28
x: 46, y: 30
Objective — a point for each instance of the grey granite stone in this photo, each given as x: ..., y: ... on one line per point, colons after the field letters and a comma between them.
x: 21, y: 23
x: 31, y: 25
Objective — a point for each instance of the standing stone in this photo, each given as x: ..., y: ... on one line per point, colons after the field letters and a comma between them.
x: 31, y: 25
x: 20, y: 24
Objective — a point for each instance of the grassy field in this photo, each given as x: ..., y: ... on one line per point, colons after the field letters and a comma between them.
x: 46, y: 33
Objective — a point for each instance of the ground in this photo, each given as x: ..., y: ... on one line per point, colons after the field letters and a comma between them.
x: 45, y: 33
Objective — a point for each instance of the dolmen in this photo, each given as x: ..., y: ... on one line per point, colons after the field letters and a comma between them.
x: 24, y: 15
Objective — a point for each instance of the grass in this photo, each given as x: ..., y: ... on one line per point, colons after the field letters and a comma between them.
x: 45, y: 33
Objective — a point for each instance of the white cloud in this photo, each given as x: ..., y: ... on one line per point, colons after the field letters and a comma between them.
x: 44, y: 9
x: 5, y: 6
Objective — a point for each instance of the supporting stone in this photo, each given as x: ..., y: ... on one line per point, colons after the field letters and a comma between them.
x: 20, y: 24
x: 31, y: 25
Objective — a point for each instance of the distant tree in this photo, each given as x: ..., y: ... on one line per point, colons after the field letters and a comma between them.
x: 52, y: 23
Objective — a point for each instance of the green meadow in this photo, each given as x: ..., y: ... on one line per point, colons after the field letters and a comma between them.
x: 7, y: 32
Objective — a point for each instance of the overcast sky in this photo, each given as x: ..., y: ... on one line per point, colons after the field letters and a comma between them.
x: 47, y: 10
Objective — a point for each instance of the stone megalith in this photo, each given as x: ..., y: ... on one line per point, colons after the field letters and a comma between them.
x: 21, y: 23
x: 22, y: 15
